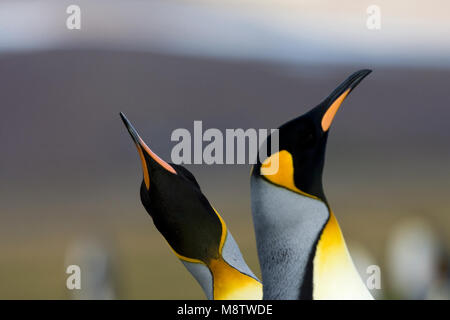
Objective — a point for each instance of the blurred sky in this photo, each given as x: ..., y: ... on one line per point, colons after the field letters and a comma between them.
x: 412, y: 32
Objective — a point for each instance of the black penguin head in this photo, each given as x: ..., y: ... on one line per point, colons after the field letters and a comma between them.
x: 302, y: 143
x: 180, y: 211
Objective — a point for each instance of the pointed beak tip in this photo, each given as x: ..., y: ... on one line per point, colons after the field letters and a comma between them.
x: 336, y: 98
x: 131, y: 130
x: 142, y: 147
x: 365, y: 72
x: 357, y: 77
x: 124, y: 119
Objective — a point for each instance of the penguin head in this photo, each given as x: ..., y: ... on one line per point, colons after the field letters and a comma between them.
x: 179, y: 209
x: 193, y: 229
x: 302, y: 143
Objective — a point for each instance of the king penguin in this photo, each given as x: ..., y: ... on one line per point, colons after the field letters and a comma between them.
x: 301, y: 250
x: 194, y: 230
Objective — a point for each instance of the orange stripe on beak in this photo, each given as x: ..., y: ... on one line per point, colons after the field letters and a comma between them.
x: 155, y: 157
x: 143, y: 148
x: 335, y: 99
x: 144, y: 167
x: 328, y: 117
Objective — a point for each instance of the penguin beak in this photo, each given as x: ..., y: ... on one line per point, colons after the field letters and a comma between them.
x: 335, y: 99
x: 144, y: 150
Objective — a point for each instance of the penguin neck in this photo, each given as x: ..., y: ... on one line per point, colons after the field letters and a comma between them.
x: 287, y: 225
x: 227, y: 276
x: 232, y: 279
x: 300, y: 246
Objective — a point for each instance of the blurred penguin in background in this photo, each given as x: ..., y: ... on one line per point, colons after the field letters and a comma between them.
x: 98, y: 277
x: 366, y: 264
x: 417, y: 262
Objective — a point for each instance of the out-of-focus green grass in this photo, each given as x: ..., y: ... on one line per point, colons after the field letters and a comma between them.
x: 37, y: 233
x: 146, y: 267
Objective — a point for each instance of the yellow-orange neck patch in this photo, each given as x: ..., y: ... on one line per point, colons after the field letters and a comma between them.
x: 230, y: 284
x: 334, y: 274
x: 285, y: 175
